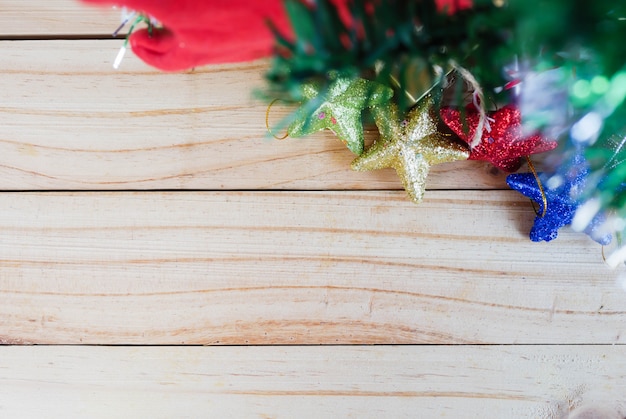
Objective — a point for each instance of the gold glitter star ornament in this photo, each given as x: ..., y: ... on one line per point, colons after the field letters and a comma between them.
x: 409, y: 146
x: 339, y: 109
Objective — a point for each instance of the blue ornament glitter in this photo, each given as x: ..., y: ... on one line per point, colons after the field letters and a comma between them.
x: 561, y: 201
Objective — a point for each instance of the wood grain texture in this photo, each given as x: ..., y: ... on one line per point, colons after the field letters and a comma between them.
x: 296, y: 268
x: 69, y: 121
x: 344, y: 265
x: 53, y: 18
x: 539, y: 382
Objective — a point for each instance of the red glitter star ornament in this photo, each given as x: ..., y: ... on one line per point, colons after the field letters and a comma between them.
x: 502, y: 144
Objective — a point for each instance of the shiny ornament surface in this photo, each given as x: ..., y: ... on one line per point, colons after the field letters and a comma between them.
x: 503, y: 142
x: 561, y: 201
x: 410, y: 146
x: 338, y: 109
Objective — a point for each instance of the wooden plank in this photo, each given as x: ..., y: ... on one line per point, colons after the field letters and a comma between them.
x: 69, y: 121
x: 53, y: 18
x: 543, y: 382
x: 296, y: 268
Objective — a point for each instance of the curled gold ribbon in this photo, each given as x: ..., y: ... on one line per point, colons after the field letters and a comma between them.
x: 267, y: 121
x: 543, y: 193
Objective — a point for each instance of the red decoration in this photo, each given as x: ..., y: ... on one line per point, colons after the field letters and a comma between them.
x: 199, y: 32
x: 453, y: 6
x: 502, y: 142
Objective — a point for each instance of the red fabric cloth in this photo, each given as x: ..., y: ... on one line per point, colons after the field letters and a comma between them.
x: 199, y: 32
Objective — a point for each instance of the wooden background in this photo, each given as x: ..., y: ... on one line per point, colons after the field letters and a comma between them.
x: 160, y: 256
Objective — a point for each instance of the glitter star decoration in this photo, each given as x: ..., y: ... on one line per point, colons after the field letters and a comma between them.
x: 410, y: 146
x: 560, y: 199
x: 339, y: 109
x: 502, y: 144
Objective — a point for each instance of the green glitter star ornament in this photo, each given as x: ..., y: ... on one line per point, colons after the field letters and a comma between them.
x: 339, y: 109
x: 409, y: 146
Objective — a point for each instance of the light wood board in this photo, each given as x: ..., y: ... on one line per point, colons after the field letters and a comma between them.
x: 234, y: 238
x: 69, y: 121
x: 541, y: 382
x: 296, y: 268
x: 55, y: 18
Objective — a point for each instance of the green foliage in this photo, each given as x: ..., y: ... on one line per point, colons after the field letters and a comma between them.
x: 403, y: 44
x: 607, y: 160
x: 582, y: 31
x: 397, y: 43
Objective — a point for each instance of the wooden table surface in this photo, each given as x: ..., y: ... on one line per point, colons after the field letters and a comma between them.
x: 160, y: 256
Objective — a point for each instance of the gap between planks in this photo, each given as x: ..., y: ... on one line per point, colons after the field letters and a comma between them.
x: 54, y: 18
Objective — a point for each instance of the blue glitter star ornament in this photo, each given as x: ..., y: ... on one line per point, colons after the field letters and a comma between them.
x: 561, y: 201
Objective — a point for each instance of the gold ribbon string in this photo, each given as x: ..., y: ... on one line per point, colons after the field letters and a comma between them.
x: 267, y: 121
x: 543, y: 193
